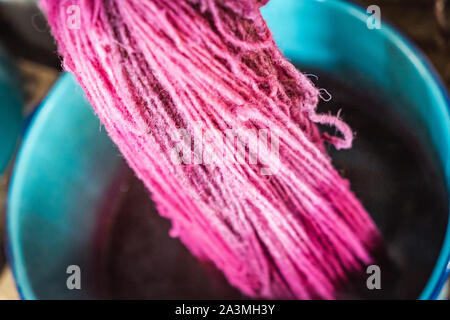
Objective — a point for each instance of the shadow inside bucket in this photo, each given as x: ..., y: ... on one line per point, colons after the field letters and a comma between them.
x: 397, y: 176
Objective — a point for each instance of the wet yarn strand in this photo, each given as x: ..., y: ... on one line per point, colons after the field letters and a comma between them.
x: 152, y: 67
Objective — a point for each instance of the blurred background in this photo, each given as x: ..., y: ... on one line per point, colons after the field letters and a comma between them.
x: 25, y: 36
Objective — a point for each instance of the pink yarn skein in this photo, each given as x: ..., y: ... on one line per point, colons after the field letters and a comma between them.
x: 153, y: 67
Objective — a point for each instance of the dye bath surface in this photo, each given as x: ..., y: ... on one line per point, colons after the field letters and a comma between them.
x: 141, y: 261
x: 396, y: 176
x: 390, y: 170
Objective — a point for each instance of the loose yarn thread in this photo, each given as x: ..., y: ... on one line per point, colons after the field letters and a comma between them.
x: 151, y: 67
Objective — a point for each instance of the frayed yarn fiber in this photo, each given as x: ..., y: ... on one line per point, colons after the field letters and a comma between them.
x: 160, y: 72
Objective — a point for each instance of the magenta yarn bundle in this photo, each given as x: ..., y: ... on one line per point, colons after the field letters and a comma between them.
x: 154, y: 69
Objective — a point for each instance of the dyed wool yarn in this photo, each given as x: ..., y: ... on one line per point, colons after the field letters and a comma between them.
x: 287, y: 226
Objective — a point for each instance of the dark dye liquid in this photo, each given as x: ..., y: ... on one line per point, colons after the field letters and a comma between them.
x: 395, y: 173
x: 391, y: 171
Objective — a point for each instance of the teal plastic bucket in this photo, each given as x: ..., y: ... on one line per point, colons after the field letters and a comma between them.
x: 10, y: 109
x: 67, y: 163
x: 62, y: 179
